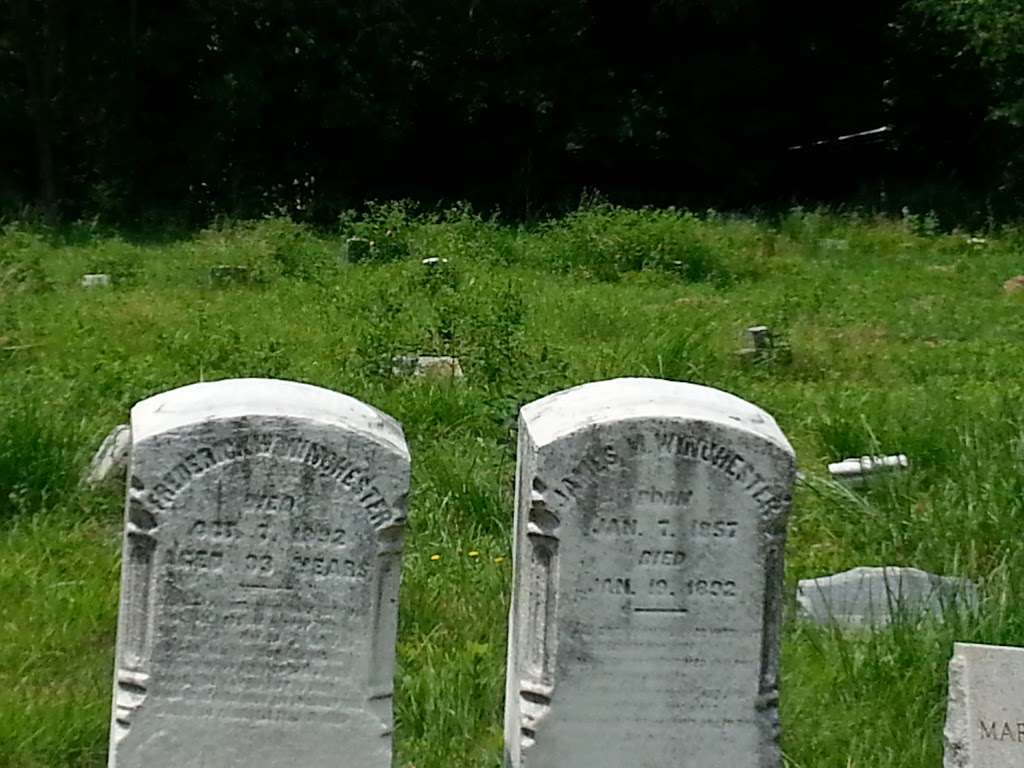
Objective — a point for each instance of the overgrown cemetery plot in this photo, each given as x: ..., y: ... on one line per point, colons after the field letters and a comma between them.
x: 904, y: 341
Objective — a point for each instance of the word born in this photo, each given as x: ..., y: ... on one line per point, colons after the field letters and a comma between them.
x: 991, y: 730
x: 673, y: 498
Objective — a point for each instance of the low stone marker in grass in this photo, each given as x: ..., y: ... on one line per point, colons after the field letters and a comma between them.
x: 860, y: 471
x: 263, y: 535
x: 427, y: 367
x: 985, y: 715
x: 650, y: 519
x: 878, y: 596
x: 96, y: 281
x: 110, y: 461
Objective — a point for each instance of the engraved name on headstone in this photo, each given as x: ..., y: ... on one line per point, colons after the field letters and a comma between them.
x: 262, y: 547
x: 644, y: 630
x: 985, y: 715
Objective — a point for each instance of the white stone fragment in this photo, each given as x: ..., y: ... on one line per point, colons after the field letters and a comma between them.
x: 95, y: 281
x: 985, y: 711
x: 878, y: 596
x: 262, y: 548
x: 646, y: 608
x: 110, y: 462
x: 858, y: 471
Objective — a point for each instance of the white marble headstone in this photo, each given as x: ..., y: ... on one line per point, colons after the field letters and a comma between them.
x: 644, y: 630
x: 985, y: 715
x: 263, y: 535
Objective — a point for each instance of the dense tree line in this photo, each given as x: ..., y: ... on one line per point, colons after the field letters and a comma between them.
x: 204, y: 106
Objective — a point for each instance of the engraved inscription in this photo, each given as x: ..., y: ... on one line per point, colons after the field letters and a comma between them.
x: 667, y: 557
x: 328, y: 464
x: 669, y: 544
x: 1001, y: 730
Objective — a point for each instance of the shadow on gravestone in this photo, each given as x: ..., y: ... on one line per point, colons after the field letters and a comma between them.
x: 645, y: 620
x: 262, y: 547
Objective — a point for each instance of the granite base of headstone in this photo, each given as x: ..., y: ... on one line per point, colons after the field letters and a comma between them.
x: 985, y: 710
x: 878, y: 596
x: 259, y: 591
x: 646, y: 608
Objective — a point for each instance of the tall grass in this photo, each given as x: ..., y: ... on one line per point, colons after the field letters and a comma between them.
x: 902, y: 341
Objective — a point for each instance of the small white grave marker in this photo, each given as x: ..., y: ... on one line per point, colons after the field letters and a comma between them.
x: 95, y: 281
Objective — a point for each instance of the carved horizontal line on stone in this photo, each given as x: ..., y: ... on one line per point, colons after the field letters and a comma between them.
x: 241, y: 669
x: 187, y: 662
x: 231, y: 624
x: 633, y: 630
x: 249, y: 623
x: 636, y: 652
x: 685, y: 686
x: 255, y: 644
x: 277, y: 696
x: 277, y: 611
x: 313, y: 684
x: 715, y: 722
x: 651, y: 609
x: 293, y: 711
x: 318, y: 716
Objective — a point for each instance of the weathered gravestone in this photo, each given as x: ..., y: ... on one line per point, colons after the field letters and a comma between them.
x: 985, y: 716
x: 878, y: 596
x: 644, y: 630
x: 259, y: 588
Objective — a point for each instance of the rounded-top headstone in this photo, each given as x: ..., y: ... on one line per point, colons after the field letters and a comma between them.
x: 650, y: 519
x: 260, y: 576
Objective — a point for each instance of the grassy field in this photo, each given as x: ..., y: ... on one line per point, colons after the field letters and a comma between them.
x: 902, y: 340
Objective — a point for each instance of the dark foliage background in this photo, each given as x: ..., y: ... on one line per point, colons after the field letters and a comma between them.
x: 192, y: 108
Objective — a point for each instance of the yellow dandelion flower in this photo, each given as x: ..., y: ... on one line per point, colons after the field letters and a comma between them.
x: 435, y: 557
x: 473, y: 553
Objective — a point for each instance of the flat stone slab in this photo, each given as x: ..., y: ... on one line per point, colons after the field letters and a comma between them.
x: 259, y: 591
x: 647, y: 594
x: 985, y: 713
x: 96, y: 281
x: 428, y: 366
x: 878, y: 596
